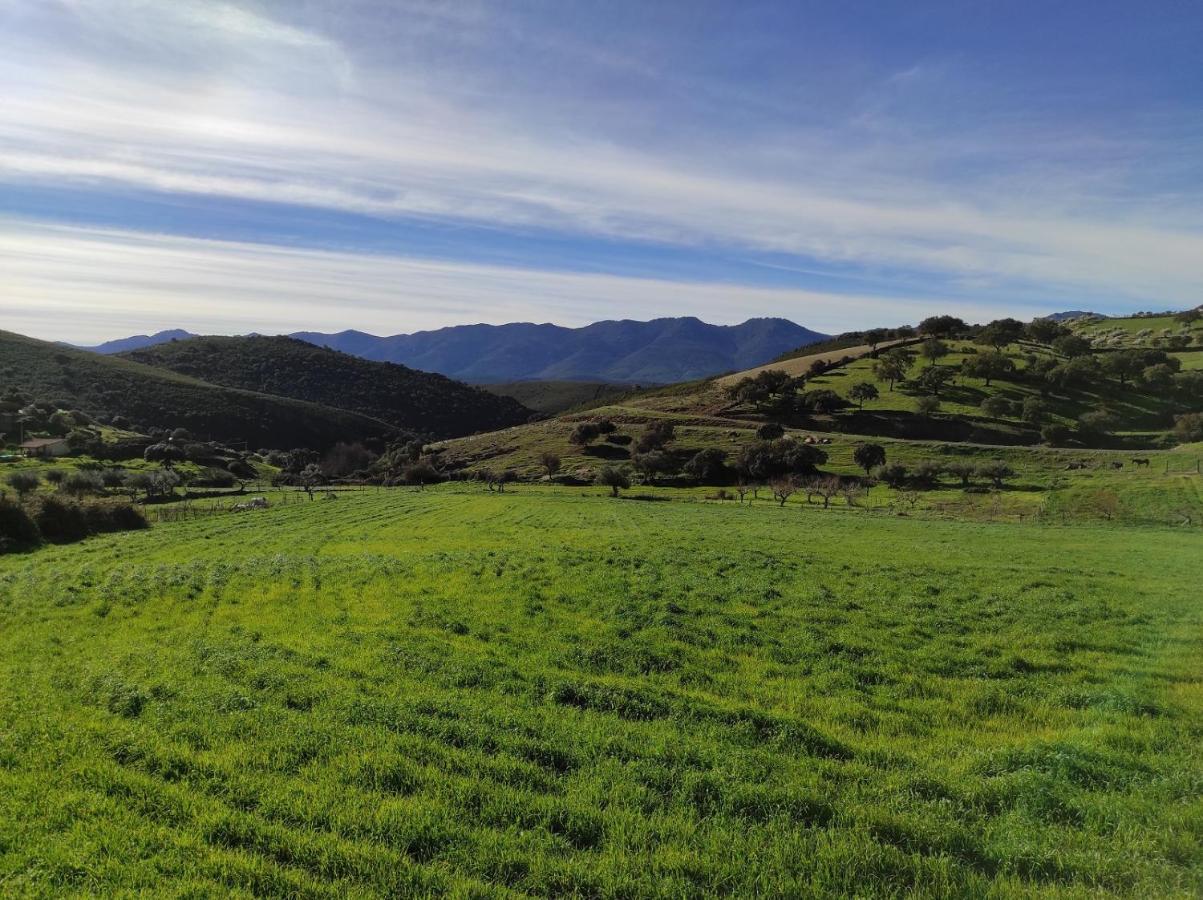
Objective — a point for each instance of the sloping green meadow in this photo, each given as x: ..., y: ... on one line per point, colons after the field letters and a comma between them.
x: 546, y: 693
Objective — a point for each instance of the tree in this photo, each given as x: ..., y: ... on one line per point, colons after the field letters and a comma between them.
x: 1071, y: 345
x: 926, y: 472
x: 55, y: 476
x: 934, y: 379
x: 614, y: 478
x: 1096, y: 423
x: 825, y: 487
x: 996, y: 406
x: 708, y: 466
x: 770, y: 431
x: 605, y: 426
x: 1123, y: 365
x: 893, y: 474
x: 933, y: 349
x: 766, y: 460
x: 80, y: 482
x: 890, y: 367
x: 23, y: 482
x: 961, y: 469
x: 862, y: 391
x: 165, y: 454
x: 927, y: 405
x: 583, y: 434
x: 875, y: 336
x: 1000, y: 332
x: 656, y: 437
x: 1158, y: 377
x: 1188, y: 427
x: 821, y: 400
x: 997, y: 471
x: 311, y: 477
x: 783, y: 489
x: 1044, y: 331
x: 1034, y: 411
x: 550, y: 463
x: 941, y: 326
x: 990, y: 365
x: 1054, y: 434
x: 869, y: 456
x: 653, y: 464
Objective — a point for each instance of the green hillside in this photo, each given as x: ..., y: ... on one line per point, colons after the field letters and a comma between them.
x: 105, y: 386
x: 1166, y: 331
x: 415, y: 401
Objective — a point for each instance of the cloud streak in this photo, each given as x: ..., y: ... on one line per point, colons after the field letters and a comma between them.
x: 85, y: 284
x: 216, y: 100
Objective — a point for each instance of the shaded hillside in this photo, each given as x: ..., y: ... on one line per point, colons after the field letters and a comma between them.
x: 659, y: 351
x: 415, y: 401
x: 105, y: 386
x: 554, y: 397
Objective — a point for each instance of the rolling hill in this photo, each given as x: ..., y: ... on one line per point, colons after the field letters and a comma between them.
x: 554, y: 397
x: 138, y: 341
x: 416, y: 401
x: 658, y: 352
x: 109, y: 385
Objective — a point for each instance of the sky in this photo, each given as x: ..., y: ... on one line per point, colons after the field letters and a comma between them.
x: 228, y: 166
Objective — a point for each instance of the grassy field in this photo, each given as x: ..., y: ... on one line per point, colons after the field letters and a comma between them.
x: 551, y: 693
x: 1135, y: 331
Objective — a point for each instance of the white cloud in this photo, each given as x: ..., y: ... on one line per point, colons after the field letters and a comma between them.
x: 86, y: 285
x: 210, y: 99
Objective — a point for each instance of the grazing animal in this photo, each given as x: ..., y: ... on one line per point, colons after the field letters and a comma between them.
x: 1140, y: 462
x: 1075, y: 465
x: 1118, y: 464
x: 254, y: 503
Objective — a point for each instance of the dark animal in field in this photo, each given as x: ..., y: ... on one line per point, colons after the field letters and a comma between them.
x: 1140, y: 462
x: 1075, y: 465
x: 1118, y: 464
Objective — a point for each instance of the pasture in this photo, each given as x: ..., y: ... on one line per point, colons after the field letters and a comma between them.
x: 551, y: 693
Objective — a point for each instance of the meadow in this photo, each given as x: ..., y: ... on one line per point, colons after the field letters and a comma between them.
x: 547, y: 692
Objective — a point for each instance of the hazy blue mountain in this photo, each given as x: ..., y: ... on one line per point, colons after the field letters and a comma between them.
x: 659, y: 351
x: 1072, y: 314
x: 138, y: 341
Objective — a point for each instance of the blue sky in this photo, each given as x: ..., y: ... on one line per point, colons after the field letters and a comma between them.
x: 277, y: 166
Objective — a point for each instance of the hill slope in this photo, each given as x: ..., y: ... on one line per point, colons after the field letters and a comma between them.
x: 659, y: 351
x: 109, y: 385
x: 417, y: 401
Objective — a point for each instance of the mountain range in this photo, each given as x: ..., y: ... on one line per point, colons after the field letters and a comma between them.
x: 660, y: 351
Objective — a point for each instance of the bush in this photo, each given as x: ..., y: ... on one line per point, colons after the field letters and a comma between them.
x: 1189, y: 427
x: 926, y: 472
x: 23, y: 482
x: 18, y: 530
x: 613, y: 478
x: 79, y: 483
x: 997, y: 406
x: 60, y: 521
x: 1054, y: 435
x: 583, y: 434
x: 770, y: 431
x: 708, y: 467
x: 894, y: 474
x: 103, y: 518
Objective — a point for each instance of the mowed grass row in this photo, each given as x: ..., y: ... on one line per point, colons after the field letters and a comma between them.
x: 552, y: 694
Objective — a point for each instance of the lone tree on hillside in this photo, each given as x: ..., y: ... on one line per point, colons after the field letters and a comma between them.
x: 927, y: 405
x: 933, y: 350
x: 869, y: 456
x: 614, y: 478
x: 961, y: 469
x: 934, y: 379
x: 990, y: 365
x: 166, y: 455
x: 656, y: 437
x: 23, y: 482
x: 891, y: 367
x: 941, y: 326
x: 583, y: 434
x: 862, y: 391
x: 311, y: 477
x: 550, y: 463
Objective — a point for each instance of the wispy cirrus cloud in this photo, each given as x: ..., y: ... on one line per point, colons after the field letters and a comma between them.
x: 276, y: 104
x: 84, y: 284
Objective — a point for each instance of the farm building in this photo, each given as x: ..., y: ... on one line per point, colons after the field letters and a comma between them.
x: 45, y: 447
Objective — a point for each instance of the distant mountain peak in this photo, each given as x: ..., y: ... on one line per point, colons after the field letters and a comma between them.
x: 139, y: 341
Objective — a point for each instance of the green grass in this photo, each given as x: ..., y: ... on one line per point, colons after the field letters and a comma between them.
x: 1137, y: 331
x: 551, y: 693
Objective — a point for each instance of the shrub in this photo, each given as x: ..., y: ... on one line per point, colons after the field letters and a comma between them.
x: 102, y: 518
x: 894, y: 474
x: 997, y: 471
x: 613, y: 478
x: 60, y: 521
x: 961, y: 469
x: 927, y: 405
x: 23, y: 482
x: 17, y: 528
x: 1189, y: 427
x: 550, y: 463
x: 996, y: 406
x: 708, y: 467
x: 656, y: 437
x: 1054, y: 434
x: 55, y: 476
x: 926, y: 472
x: 79, y: 483
x: 770, y: 431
